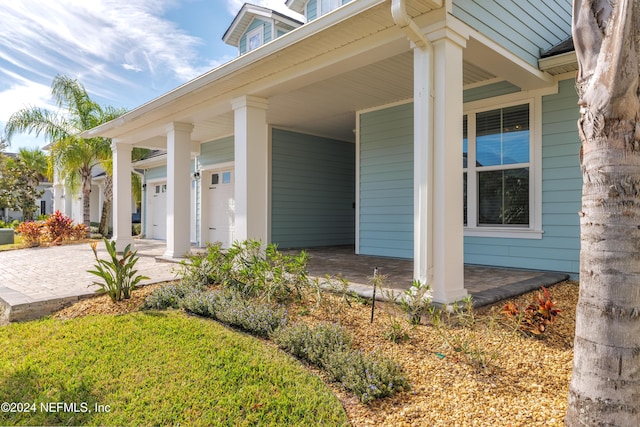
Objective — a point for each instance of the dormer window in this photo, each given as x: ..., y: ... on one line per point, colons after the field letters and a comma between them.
x: 255, y: 38
x: 327, y: 6
x: 255, y: 26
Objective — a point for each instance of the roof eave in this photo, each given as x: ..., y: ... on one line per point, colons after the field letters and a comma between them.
x: 111, y: 129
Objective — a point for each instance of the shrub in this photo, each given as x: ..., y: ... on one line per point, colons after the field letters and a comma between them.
x: 249, y: 269
x: 118, y: 274
x: 230, y: 308
x: 368, y: 376
x: 59, y: 227
x: 535, y: 318
x: 313, y: 344
x: 169, y: 296
x: 205, y: 268
x: 328, y: 346
x: 416, y: 301
x: 31, y: 232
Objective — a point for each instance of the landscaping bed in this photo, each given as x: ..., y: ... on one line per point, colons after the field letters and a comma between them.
x: 497, y: 375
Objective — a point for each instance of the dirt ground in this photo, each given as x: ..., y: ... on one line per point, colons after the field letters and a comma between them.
x: 482, y: 373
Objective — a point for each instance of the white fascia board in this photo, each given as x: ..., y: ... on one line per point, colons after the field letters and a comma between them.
x: 153, y: 162
x: 568, y: 58
x: 510, y: 66
x: 113, y: 129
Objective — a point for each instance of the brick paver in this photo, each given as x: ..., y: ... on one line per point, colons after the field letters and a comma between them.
x: 36, y: 282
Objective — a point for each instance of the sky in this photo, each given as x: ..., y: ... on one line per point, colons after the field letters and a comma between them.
x: 124, y: 52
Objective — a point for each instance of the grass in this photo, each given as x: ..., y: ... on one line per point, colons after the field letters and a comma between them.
x: 155, y: 368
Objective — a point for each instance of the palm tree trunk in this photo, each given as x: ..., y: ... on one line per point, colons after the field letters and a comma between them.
x: 106, y: 206
x: 605, y: 384
x: 86, y: 198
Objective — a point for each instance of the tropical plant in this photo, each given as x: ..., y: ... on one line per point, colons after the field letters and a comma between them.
x: 118, y: 274
x: 72, y: 156
x: 604, y: 387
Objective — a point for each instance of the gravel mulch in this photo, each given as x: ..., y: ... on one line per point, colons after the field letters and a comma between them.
x: 498, y: 376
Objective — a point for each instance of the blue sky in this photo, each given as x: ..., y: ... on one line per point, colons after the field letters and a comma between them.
x: 125, y: 52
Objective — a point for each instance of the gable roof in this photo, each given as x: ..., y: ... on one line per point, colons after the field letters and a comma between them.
x: 247, y: 14
x: 296, y: 5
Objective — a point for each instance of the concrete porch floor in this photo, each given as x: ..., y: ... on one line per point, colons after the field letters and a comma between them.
x: 486, y: 285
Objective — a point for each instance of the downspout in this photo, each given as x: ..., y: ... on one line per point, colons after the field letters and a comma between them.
x: 406, y: 24
x: 423, y: 194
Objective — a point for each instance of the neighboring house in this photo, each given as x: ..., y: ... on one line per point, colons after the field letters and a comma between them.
x: 431, y: 130
x: 44, y: 203
x: 69, y: 200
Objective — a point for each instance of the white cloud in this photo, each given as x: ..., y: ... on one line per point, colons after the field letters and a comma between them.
x: 26, y: 94
x: 82, y: 35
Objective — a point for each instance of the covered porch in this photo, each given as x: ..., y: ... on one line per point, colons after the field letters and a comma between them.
x: 486, y: 285
x: 317, y: 81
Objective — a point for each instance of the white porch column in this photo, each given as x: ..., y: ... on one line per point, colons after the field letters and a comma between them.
x: 121, y: 195
x: 251, y: 145
x: 447, y: 208
x: 58, y: 192
x: 423, y: 164
x: 178, y: 189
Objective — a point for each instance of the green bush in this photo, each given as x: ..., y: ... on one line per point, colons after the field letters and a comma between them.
x: 328, y: 346
x: 118, y: 274
x: 249, y: 269
x: 234, y: 310
x: 169, y: 296
x: 313, y: 344
x: 368, y: 376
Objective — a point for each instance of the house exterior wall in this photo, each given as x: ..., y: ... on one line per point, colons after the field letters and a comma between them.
x: 211, y: 153
x: 312, y: 190
x: 267, y: 33
x: 386, y: 190
x: 524, y: 27
x: 559, y: 248
x: 489, y: 91
x: 386, y: 182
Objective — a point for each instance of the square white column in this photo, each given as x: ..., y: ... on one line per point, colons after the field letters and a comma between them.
x: 121, y: 195
x: 178, y: 189
x: 448, y: 221
x: 423, y: 165
x: 251, y: 146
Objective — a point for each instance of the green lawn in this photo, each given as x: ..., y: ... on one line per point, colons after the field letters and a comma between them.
x: 154, y: 368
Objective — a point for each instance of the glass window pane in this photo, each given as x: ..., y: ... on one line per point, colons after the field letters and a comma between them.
x: 503, y: 197
x: 465, y: 142
x: 255, y: 41
x: 502, y: 136
x: 226, y: 177
x: 464, y: 195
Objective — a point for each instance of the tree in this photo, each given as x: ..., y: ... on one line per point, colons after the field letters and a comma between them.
x: 605, y: 385
x: 73, y: 157
x: 18, y: 186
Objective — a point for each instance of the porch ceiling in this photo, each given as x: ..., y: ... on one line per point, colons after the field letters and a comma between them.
x: 315, y: 82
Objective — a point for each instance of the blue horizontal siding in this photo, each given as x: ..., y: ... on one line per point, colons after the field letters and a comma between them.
x: 559, y: 248
x: 218, y: 151
x: 386, y: 182
x: 525, y: 27
x: 489, y: 91
x: 312, y: 191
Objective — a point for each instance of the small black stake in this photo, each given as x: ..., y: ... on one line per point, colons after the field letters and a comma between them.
x: 373, y: 303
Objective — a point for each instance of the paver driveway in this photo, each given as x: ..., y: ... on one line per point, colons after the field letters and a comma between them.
x: 37, y: 281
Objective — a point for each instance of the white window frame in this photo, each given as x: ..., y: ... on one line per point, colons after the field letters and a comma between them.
x: 253, y: 33
x: 334, y: 5
x: 534, y: 230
